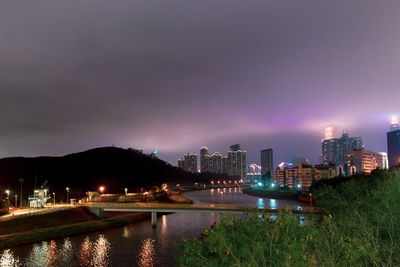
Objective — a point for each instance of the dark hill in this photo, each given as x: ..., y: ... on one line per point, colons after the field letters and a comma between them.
x: 115, y: 168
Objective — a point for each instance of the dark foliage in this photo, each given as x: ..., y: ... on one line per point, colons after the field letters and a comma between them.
x: 115, y: 168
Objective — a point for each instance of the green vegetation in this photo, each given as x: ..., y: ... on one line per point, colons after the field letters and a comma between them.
x: 359, y: 227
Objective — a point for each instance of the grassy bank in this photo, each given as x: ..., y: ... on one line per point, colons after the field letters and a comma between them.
x: 276, y: 194
x: 358, y: 227
x: 19, y: 238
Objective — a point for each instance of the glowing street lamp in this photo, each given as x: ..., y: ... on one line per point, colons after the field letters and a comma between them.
x: 273, y: 185
x: 67, y: 188
x: 126, y: 191
x: 8, y: 193
x: 54, y: 198
x: 101, y: 189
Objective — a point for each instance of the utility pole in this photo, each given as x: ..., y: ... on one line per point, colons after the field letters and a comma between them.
x: 21, y: 181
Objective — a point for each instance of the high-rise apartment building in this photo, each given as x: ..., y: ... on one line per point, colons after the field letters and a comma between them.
x: 235, y: 147
x: 188, y: 163
x: 393, y: 144
x: 203, y: 159
x: 267, y: 161
x: 236, y: 162
x: 364, y: 161
x: 334, y: 150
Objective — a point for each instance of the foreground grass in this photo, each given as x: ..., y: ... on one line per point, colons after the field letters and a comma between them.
x: 359, y: 227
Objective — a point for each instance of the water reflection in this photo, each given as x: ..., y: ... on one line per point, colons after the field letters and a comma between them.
x: 67, y: 253
x: 272, y: 203
x: 84, y: 252
x: 101, y: 249
x: 146, y: 254
x: 126, y: 233
x: 8, y: 259
x: 260, y: 203
x: 44, y: 254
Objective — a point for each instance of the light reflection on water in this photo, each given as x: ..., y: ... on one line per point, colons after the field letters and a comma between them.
x: 146, y: 254
x: 136, y: 244
x: 8, y: 259
x: 100, y: 252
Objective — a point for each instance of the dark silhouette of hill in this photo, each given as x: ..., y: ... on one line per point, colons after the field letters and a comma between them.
x: 115, y: 168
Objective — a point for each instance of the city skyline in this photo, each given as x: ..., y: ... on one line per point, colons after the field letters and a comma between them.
x: 175, y: 77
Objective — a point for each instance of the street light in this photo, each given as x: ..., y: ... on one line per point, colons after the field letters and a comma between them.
x: 21, y: 181
x: 54, y: 198
x: 67, y: 194
x: 16, y: 200
x: 222, y: 194
x: 126, y: 191
x: 8, y: 193
x: 101, y: 189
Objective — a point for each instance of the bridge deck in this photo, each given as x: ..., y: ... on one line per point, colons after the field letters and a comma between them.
x: 174, y: 207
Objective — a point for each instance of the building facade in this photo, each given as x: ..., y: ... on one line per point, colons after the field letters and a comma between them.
x: 267, y: 160
x: 364, y: 161
x: 232, y: 164
x: 393, y: 146
x: 237, y: 163
x: 188, y: 162
x: 334, y: 150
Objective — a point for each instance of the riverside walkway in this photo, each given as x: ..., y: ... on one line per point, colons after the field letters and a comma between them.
x: 100, y: 208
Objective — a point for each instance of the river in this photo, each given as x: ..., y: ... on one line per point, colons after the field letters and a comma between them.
x: 137, y: 244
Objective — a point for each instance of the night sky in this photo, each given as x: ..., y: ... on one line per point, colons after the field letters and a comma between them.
x: 177, y: 75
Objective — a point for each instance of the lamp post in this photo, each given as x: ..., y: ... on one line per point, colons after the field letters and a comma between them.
x: 54, y: 198
x: 67, y: 188
x: 101, y: 189
x: 16, y: 200
x: 222, y: 194
x: 310, y: 195
x: 21, y: 181
x: 8, y: 197
x: 126, y: 191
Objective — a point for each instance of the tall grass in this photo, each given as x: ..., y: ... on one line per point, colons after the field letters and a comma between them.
x: 359, y: 227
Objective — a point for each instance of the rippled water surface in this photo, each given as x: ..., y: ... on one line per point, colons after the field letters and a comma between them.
x: 137, y: 244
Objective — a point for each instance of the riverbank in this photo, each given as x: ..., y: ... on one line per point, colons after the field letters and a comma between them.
x: 73, y: 221
x: 68, y: 229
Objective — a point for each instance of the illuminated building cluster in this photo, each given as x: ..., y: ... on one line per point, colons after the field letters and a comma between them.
x: 188, y: 162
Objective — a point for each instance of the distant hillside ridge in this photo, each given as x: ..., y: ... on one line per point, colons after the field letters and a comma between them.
x: 112, y: 167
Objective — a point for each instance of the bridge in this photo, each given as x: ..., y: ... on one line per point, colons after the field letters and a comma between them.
x: 99, y: 208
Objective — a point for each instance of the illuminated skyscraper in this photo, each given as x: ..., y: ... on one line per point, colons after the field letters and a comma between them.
x: 203, y: 159
x: 267, y: 161
x: 189, y: 162
x: 393, y: 144
x: 334, y: 150
x: 236, y: 162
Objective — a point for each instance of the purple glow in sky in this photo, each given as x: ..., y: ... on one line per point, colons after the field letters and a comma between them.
x: 177, y: 75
